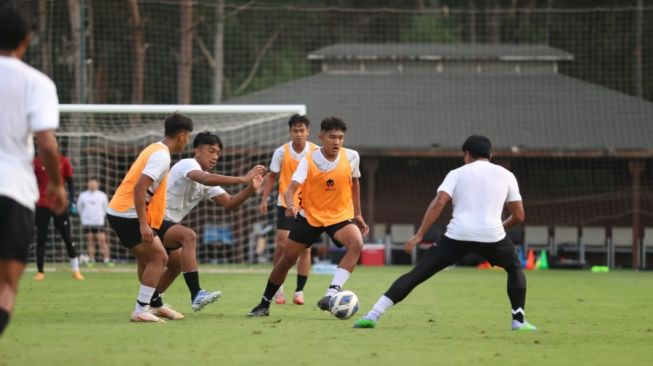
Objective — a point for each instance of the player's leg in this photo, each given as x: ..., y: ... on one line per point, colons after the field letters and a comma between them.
x: 284, y: 224
x: 503, y: 254
x: 172, y: 270
x: 42, y: 221
x: 62, y: 223
x: 17, y: 228
x: 101, y: 238
x: 441, y: 255
x: 345, y: 234
x: 303, y: 270
x: 152, y: 258
x: 90, y: 245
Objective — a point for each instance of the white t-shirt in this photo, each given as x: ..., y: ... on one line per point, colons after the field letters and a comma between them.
x: 325, y: 165
x: 29, y: 103
x: 479, y: 191
x: 184, y: 193
x: 92, y: 207
x: 277, y: 159
x: 156, y: 168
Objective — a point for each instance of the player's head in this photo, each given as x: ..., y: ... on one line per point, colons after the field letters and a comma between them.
x: 178, y: 128
x: 14, y: 29
x: 477, y: 146
x: 93, y: 184
x: 298, y: 128
x: 208, y: 148
x: 332, y: 135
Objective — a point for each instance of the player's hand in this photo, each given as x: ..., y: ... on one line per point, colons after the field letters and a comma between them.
x: 257, y: 170
x: 147, y: 235
x: 257, y: 182
x: 263, y: 207
x: 292, y: 211
x: 57, y: 197
x: 410, y: 244
x: 361, y: 225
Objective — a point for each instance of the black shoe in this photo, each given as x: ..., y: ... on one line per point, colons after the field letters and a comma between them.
x: 323, y: 304
x: 259, y: 310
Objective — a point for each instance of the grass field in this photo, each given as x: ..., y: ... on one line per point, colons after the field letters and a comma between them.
x: 459, y: 317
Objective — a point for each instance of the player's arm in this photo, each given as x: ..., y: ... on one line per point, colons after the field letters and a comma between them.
x: 358, y: 214
x: 432, y: 213
x: 517, y: 214
x: 49, y: 154
x: 212, y: 179
x: 268, y: 184
x: 291, y: 210
x: 230, y: 202
x: 140, y: 194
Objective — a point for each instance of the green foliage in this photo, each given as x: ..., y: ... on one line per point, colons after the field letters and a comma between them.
x: 430, y: 29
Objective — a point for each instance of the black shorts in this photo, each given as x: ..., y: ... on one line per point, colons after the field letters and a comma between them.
x: 17, y: 230
x: 128, y: 230
x: 93, y: 229
x: 302, y: 232
x: 283, y: 222
x: 161, y: 231
x: 501, y: 253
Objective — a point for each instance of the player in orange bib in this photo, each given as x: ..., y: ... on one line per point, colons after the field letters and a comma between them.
x: 285, y: 160
x: 137, y: 209
x: 330, y: 202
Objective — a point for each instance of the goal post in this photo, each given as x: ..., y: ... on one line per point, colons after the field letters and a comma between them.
x: 102, y: 141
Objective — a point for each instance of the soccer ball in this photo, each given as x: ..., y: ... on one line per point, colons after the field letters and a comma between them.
x: 344, y: 304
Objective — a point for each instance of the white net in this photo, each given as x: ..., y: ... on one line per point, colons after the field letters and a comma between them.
x: 103, y: 141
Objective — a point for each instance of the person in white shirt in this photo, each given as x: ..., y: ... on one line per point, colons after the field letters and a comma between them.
x: 479, y: 190
x: 189, y: 183
x: 285, y: 160
x: 30, y: 106
x: 92, y: 207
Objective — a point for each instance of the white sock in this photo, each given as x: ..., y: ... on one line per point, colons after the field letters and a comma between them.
x: 74, y: 264
x: 106, y: 260
x: 144, y: 296
x: 339, y: 278
x: 381, y: 306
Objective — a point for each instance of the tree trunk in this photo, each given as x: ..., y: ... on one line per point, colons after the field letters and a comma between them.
x: 494, y: 23
x: 75, y: 32
x: 472, y: 22
x: 138, y: 74
x: 44, y: 38
x: 218, y: 53
x: 185, y: 69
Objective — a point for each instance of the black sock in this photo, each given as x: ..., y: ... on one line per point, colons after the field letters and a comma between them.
x: 301, y: 282
x: 270, y: 290
x: 517, y: 292
x: 193, y: 283
x: 156, y: 301
x: 4, y: 320
x: 40, y: 256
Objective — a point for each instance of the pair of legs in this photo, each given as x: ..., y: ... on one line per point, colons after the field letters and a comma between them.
x: 17, y: 228
x: 302, y: 235
x: 96, y: 234
x: 42, y: 219
x: 447, y: 252
x: 284, y: 224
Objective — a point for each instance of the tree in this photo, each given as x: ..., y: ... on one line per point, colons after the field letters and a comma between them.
x: 138, y: 47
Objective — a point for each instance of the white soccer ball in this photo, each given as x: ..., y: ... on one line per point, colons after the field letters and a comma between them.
x: 344, y: 304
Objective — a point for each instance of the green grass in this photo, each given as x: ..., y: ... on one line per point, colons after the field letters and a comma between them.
x: 459, y: 317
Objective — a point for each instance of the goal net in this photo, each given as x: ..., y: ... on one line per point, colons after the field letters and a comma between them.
x: 102, y: 141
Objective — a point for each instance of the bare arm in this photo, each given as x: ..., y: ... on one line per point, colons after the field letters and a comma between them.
x: 230, y: 202
x: 49, y: 154
x: 430, y: 216
x: 212, y: 180
x: 356, y: 198
x: 270, y: 178
x: 292, y: 210
x: 140, y: 193
x: 517, y: 214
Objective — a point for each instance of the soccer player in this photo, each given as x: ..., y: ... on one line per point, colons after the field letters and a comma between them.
x: 92, y: 206
x: 479, y: 190
x: 61, y: 221
x: 330, y: 202
x: 284, y: 163
x: 137, y: 209
x: 29, y: 105
x: 190, y: 183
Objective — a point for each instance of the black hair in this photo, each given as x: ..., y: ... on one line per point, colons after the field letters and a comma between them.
x: 478, y: 146
x: 207, y: 138
x: 297, y: 119
x: 333, y: 123
x: 14, y: 26
x: 178, y: 123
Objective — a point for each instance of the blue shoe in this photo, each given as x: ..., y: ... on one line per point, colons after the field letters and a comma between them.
x: 365, y: 323
x: 204, y: 298
x: 523, y: 326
